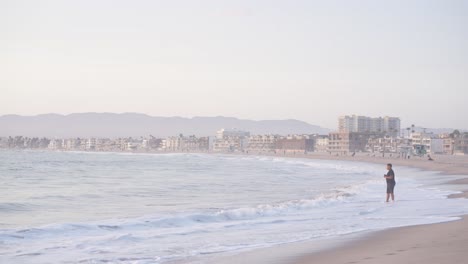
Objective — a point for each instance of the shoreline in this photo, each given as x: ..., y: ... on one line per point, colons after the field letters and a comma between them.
x: 427, y: 243
x: 444, y: 165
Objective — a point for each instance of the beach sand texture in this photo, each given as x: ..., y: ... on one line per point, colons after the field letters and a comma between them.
x: 429, y: 244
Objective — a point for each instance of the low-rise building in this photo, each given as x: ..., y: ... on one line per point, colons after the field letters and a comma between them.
x: 55, y: 144
x: 295, y: 144
x: 321, y: 143
x: 230, y: 144
x: 91, y: 144
x: 343, y: 143
x: 185, y: 144
x: 386, y: 144
x: 448, y: 145
x: 461, y: 143
x: 174, y: 143
x: 421, y: 139
x: 437, y: 146
x: 230, y: 140
x: 262, y: 143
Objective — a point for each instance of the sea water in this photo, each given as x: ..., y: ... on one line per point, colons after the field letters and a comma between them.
x: 79, y: 207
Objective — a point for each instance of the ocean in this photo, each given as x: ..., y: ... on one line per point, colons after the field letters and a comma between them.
x: 85, y: 207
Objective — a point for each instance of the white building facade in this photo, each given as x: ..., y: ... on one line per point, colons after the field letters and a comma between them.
x: 361, y: 124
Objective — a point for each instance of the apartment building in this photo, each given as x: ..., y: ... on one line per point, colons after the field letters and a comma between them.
x: 230, y: 144
x: 321, y: 143
x: 363, y: 124
x: 350, y: 142
x: 295, y: 143
x: 385, y: 144
x: 231, y: 140
x: 262, y: 143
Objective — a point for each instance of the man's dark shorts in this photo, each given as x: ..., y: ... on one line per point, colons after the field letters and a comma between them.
x: 390, y: 187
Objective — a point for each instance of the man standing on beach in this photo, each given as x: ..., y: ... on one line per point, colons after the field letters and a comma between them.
x: 390, y: 177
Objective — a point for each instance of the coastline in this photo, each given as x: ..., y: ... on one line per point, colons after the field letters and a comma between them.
x: 431, y: 243
x: 444, y: 165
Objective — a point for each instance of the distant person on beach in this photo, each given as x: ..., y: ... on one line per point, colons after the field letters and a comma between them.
x: 390, y: 177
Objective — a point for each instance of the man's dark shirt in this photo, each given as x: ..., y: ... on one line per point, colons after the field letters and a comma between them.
x: 391, y: 173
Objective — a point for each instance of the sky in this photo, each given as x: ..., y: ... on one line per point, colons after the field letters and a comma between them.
x: 306, y: 60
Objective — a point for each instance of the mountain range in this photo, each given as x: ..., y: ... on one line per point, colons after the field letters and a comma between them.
x: 112, y: 125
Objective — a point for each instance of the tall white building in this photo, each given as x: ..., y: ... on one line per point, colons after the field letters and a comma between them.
x: 392, y: 125
x: 354, y: 123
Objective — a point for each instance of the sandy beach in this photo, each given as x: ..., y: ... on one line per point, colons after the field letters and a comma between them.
x: 435, y: 243
x: 430, y: 244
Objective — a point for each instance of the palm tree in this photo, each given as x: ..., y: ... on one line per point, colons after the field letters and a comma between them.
x: 455, y: 134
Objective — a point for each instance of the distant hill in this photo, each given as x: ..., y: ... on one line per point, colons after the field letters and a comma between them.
x: 134, y: 125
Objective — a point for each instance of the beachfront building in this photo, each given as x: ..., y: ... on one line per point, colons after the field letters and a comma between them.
x: 343, y: 143
x: 385, y: 145
x: 106, y: 144
x: 437, y: 145
x: 122, y: 143
x: 175, y: 143
x: 421, y: 142
x: 262, y: 143
x: 130, y: 146
x: 362, y: 124
x: 145, y: 144
x: 191, y: 144
x: 230, y: 144
x: 55, y: 144
x: 321, y: 143
x: 295, y: 144
x: 448, y: 143
x: 91, y: 144
x: 461, y: 144
x: 231, y: 140
x: 69, y: 144
x: 430, y: 143
x: 184, y: 144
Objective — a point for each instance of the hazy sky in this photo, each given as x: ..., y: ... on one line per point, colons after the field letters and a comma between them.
x: 308, y: 60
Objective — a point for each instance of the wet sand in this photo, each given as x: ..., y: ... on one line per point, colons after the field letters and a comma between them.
x: 429, y: 244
